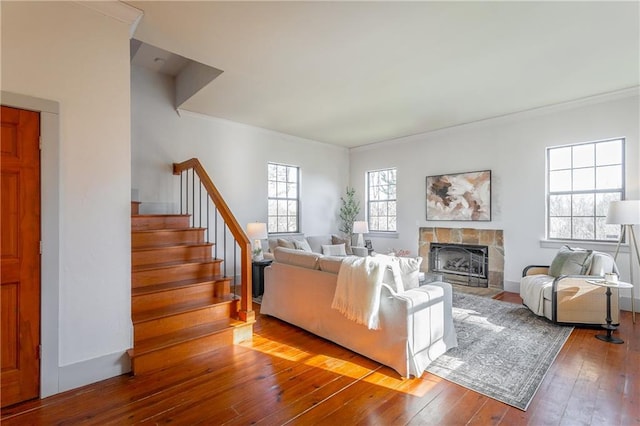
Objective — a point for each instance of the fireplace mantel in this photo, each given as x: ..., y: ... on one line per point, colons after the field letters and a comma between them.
x: 492, y: 238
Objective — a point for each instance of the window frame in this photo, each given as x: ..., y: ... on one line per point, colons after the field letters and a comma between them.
x: 276, y: 198
x: 370, y: 201
x: 595, y: 191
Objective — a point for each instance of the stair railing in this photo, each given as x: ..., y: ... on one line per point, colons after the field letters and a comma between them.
x: 213, y: 206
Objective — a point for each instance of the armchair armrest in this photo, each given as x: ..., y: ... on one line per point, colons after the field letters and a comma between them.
x: 535, y: 270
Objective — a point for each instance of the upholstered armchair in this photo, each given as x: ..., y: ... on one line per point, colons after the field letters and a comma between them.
x: 561, y: 292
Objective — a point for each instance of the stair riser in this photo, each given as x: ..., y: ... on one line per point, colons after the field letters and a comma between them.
x: 144, y: 239
x: 204, y: 291
x: 178, y: 353
x: 174, y: 273
x: 158, y: 327
x: 141, y: 223
x: 168, y: 254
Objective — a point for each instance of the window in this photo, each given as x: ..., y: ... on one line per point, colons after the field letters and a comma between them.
x: 381, y: 200
x: 283, y: 193
x: 582, y: 180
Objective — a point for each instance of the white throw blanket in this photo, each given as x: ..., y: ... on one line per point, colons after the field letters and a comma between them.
x: 532, y: 289
x: 358, y: 289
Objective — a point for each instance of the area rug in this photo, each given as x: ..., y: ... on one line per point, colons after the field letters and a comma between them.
x: 504, y: 350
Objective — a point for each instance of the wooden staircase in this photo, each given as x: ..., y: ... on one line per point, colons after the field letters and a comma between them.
x: 181, y: 302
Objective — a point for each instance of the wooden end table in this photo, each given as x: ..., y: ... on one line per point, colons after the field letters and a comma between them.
x: 608, y: 326
x: 257, y: 272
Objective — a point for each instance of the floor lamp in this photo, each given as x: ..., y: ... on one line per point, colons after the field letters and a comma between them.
x: 627, y: 214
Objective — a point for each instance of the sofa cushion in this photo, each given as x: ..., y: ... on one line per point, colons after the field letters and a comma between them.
x: 330, y: 263
x: 571, y: 261
x: 296, y: 257
x: 346, y: 241
x: 316, y: 242
x: 334, y: 250
x: 302, y: 245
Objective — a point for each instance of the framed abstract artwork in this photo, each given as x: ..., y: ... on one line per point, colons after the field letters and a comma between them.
x: 459, y: 196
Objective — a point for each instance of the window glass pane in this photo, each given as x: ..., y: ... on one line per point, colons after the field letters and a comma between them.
x: 391, y: 208
x: 605, y: 231
x: 271, y: 189
x: 273, y: 223
x: 560, y: 181
x: 292, y: 174
x: 583, y: 156
x: 272, y: 207
x: 560, y: 205
x: 292, y: 207
x: 583, y: 179
x: 282, y: 224
x: 373, y: 209
x: 560, y: 158
x: 609, y: 177
x: 560, y: 227
x: 282, y: 174
x: 584, y: 228
x: 392, y: 223
x: 609, y: 152
x: 603, y: 200
x: 292, y: 190
x: 583, y: 205
x: 292, y: 224
x: 373, y: 223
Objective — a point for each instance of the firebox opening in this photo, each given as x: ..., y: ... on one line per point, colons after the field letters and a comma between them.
x: 463, y: 263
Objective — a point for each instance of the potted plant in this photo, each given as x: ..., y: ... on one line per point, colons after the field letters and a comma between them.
x: 349, y: 210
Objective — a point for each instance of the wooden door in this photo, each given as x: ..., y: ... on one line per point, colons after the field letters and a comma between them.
x: 20, y: 273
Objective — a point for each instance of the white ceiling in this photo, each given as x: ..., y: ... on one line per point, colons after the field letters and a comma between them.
x: 354, y: 73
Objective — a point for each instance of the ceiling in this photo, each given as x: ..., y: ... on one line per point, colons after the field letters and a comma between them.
x: 355, y: 73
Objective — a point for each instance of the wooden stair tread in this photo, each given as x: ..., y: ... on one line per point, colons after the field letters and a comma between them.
x: 143, y: 231
x: 152, y: 266
x: 172, y: 285
x: 184, y: 335
x: 179, y: 308
x: 162, y: 215
x: 170, y: 245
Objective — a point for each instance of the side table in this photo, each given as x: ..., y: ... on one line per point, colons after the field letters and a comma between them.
x: 257, y: 273
x: 610, y: 328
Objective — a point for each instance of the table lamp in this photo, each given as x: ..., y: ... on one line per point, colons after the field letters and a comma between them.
x: 360, y: 227
x: 627, y: 214
x: 257, y: 231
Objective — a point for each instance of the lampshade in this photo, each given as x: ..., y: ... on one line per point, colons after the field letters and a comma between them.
x: 360, y: 227
x: 625, y: 212
x: 257, y: 231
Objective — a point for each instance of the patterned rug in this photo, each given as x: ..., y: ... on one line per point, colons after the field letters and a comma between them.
x: 504, y: 349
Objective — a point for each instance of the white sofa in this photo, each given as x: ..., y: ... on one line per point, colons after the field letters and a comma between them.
x: 416, y: 326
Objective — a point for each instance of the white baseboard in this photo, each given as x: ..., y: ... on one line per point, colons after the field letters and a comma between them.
x: 93, y: 370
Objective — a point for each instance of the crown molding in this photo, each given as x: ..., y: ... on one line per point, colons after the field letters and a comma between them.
x: 509, y: 117
x: 117, y: 10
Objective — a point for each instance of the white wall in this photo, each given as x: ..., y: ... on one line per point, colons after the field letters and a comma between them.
x: 64, y: 52
x: 513, y: 148
x: 234, y: 155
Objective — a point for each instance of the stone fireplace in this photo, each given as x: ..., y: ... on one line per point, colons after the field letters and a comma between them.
x: 467, y: 256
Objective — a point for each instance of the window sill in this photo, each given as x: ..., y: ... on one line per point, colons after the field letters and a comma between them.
x: 592, y: 245
x: 393, y: 235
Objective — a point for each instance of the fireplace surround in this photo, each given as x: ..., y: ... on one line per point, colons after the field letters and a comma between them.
x: 493, y: 239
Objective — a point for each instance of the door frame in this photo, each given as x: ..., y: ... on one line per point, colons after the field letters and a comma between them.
x: 50, y: 233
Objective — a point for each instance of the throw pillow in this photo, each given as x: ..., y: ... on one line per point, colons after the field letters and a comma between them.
x: 410, y: 271
x: 334, y: 250
x: 302, y: 245
x: 286, y: 243
x: 571, y: 261
x: 346, y: 241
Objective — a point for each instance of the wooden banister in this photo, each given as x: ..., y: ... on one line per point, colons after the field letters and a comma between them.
x: 246, y: 312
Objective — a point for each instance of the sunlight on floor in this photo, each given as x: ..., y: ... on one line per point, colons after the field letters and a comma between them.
x: 373, y: 373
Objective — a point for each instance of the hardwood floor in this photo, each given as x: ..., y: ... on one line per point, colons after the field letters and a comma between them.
x: 288, y: 376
